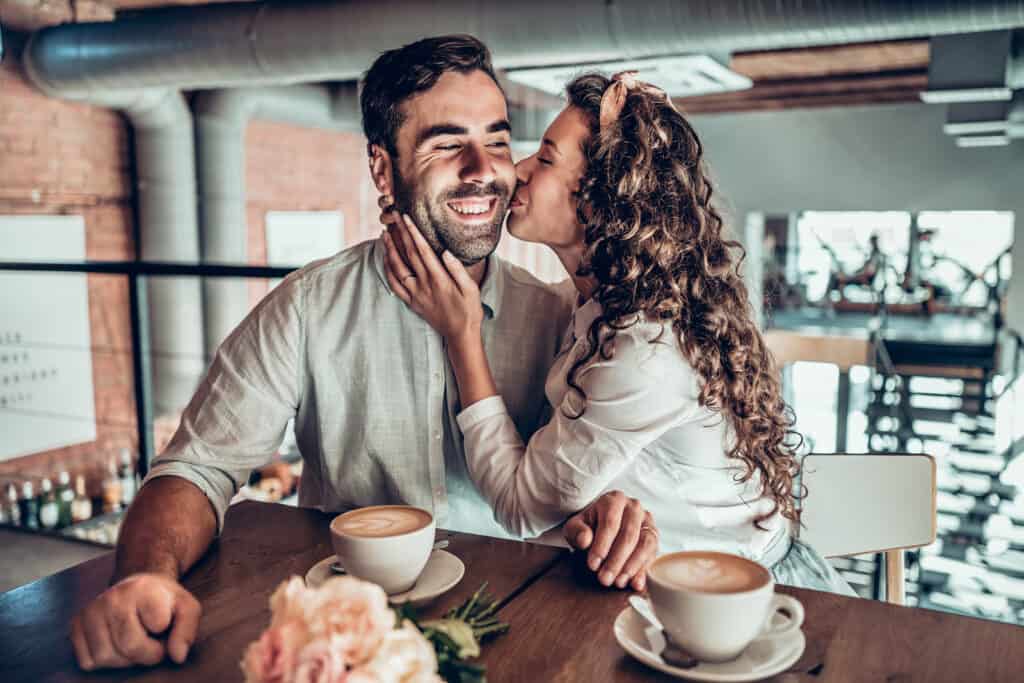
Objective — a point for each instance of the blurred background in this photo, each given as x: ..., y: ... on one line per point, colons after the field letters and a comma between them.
x: 173, y: 160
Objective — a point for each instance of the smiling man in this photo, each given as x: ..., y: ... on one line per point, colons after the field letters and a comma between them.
x: 366, y: 381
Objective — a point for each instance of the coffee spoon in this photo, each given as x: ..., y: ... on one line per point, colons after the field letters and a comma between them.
x: 656, y: 635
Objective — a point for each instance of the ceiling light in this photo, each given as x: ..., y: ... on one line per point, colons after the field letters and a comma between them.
x: 684, y: 76
x: 969, y: 67
x: 982, y: 141
x: 966, y: 95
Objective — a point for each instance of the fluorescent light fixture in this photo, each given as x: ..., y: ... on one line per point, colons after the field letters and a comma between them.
x: 966, y: 95
x: 982, y: 141
x: 969, y: 67
x: 974, y: 127
x: 969, y: 118
x: 681, y: 76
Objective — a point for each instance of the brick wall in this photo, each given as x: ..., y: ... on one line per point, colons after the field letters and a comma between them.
x: 63, y: 158
x: 292, y: 168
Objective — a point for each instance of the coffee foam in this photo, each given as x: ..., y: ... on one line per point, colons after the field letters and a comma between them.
x: 710, y: 572
x: 383, y: 520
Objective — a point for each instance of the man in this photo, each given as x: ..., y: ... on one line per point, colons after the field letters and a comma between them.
x: 365, y: 379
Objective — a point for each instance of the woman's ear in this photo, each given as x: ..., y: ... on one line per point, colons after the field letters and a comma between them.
x: 382, y: 171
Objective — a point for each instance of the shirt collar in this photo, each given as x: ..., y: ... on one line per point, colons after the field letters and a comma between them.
x: 491, y: 292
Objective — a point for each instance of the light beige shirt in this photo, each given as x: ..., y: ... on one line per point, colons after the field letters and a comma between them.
x: 642, y: 431
x: 369, y: 386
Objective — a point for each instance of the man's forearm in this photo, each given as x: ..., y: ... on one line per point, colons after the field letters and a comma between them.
x: 169, y: 526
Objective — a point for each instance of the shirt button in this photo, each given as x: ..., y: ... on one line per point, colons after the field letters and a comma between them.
x: 437, y: 377
x: 437, y: 436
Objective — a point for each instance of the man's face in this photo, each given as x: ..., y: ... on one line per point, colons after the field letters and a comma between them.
x: 454, y: 174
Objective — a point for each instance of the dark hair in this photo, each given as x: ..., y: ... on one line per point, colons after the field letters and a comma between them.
x: 657, y: 247
x: 397, y: 75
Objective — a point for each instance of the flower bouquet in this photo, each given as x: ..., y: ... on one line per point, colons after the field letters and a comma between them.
x: 345, y: 632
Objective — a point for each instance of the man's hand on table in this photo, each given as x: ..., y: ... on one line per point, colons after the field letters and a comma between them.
x: 620, y: 536
x: 139, y: 620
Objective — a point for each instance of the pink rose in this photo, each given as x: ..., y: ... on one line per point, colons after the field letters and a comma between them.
x: 404, y: 656
x: 321, y: 661
x: 272, y: 658
x: 290, y: 601
x: 354, y: 614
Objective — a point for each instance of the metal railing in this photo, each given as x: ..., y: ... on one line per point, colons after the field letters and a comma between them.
x: 136, y: 273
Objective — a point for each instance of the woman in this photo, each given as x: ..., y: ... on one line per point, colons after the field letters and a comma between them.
x: 663, y: 387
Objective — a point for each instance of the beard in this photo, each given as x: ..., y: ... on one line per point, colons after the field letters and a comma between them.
x: 441, y: 230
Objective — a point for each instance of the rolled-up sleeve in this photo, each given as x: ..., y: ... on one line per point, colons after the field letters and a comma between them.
x: 236, y: 419
x: 631, y: 400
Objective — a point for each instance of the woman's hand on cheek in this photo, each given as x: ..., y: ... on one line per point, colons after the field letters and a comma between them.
x: 389, y: 215
x: 443, y: 294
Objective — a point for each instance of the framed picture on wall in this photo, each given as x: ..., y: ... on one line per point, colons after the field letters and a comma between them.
x: 46, y: 382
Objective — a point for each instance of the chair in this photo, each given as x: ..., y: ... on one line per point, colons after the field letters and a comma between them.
x: 874, y: 503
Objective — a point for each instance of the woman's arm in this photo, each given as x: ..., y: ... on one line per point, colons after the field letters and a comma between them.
x: 446, y: 296
x: 631, y: 400
x: 525, y: 487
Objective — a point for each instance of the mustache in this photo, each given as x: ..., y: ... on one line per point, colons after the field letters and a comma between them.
x: 496, y: 188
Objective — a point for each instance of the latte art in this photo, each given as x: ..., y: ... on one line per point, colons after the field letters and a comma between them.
x: 382, y: 520
x: 710, y: 572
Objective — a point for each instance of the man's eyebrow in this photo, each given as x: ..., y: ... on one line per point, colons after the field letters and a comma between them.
x: 499, y: 126
x: 551, y: 143
x: 439, y: 129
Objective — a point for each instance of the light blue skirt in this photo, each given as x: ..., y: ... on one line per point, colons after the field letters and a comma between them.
x: 803, y: 567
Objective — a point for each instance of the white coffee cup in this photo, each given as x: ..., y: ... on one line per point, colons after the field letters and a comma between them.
x: 385, y: 544
x: 713, y: 605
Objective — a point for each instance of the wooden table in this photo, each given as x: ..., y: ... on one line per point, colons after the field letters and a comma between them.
x: 561, y: 620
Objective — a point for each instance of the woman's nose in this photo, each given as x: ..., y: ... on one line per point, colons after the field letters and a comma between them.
x: 524, y: 169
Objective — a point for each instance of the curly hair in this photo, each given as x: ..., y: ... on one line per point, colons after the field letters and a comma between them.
x: 655, y: 245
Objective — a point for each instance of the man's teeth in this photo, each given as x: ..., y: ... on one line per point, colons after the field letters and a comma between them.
x: 471, y: 209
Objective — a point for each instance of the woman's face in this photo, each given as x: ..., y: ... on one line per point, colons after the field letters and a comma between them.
x: 543, y: 208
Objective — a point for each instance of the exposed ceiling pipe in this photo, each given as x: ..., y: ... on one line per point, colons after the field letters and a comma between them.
x: 166, y: 191
x: 221, y: 120
x: 307, y: 41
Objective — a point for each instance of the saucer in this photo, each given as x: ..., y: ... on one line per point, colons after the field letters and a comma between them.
x: 763, y: 658
x: 442, y: 573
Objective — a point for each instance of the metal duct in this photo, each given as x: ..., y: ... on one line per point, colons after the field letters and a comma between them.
x: 221, y: 120
x: 166, y: 191
x: 306, y: 41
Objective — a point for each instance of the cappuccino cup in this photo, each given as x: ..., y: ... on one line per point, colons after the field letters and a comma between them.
x: 388, y: 545
x: 715, y: 604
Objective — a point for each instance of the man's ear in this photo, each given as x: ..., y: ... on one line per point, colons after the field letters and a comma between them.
x: 382, y: 170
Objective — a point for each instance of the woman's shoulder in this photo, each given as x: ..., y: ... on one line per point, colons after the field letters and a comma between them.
x: 650, y: 348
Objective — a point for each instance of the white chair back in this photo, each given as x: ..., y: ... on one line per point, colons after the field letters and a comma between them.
x: 875, y: 503
x: 868, y: 503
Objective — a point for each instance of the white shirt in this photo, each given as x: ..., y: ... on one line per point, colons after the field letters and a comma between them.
x: 369, y: 386
x: 642, y: 432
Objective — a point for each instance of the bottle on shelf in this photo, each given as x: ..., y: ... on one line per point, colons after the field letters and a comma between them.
x: 29, y: 506
x: 112, y: 493
x: 81, y: 506
x: 65, y: 497
x: 11, y: 506
x: 129, y: 481
x: 49, y: 509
